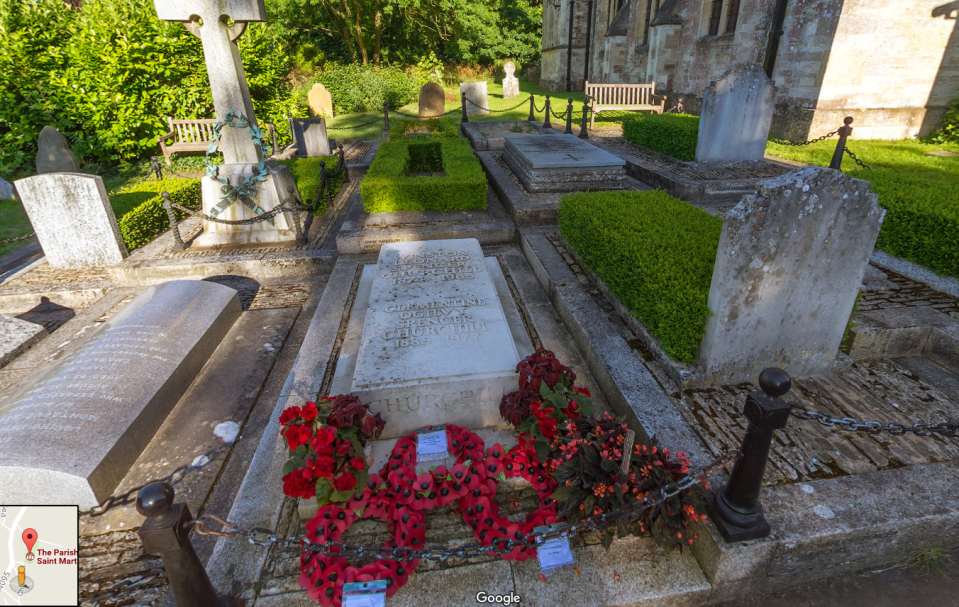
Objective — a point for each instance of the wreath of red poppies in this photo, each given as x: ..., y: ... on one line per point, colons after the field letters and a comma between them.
x: 399, y: 497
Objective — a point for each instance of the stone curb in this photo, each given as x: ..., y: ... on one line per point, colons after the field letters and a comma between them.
x: 519, y: 207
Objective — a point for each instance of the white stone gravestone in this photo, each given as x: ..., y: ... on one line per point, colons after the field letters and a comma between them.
x: 72, y: 436
x: 73, y: 220
x: 510, y: 82
x: 436, y: 346
x: 737, y: 112
x: 320, y: 101
x: 788, y: 269
x: 477, y: 101
x: 231, y: 93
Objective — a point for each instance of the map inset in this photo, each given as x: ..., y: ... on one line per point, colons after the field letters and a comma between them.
x: 38, y: 555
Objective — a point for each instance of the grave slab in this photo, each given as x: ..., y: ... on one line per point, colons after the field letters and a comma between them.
x: 562, y: 163
x: 477, y: 101
x: 95, y: 410
x: 436, y: 346
x: 16, y: 336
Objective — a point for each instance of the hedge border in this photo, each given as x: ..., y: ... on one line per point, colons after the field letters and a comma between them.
x: 674, y: 135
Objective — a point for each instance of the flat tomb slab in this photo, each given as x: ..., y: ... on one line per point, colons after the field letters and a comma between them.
x: 562, y: 163
x: 437, y: 344
x: 73, y: 434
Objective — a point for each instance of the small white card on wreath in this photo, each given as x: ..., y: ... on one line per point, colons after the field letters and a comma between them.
x: 365, y: 594
x: 431, y: 445
x: 554, y: 553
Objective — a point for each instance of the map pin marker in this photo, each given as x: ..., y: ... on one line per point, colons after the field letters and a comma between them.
x: 30, y: 538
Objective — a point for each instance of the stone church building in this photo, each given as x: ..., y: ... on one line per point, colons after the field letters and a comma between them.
x: 891, y: 64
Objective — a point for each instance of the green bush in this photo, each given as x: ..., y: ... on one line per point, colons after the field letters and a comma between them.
x: 306, y: 174
x: 438, y: 128
x: 655, y: 252
x: 388, y: 186
x: 364, y: 88
x: 671, y: 134
x: 147, y: 218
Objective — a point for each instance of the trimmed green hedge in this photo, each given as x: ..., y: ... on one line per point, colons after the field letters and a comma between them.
x: 388, y: 186
x: 655, y: 252
x: 438, y: 128
x: 147, y: 218
x: 671, y: 134
x: 306, y: 174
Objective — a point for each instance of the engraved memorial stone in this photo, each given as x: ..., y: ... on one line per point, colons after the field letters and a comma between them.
x: 477, y: 102
x: 320, y: 101
x: 73, y: 434
x: 53, y: 153
x: 310, y: 135
x: 562, y: 163
x: 510, y: 82
x: 73, y: 220
x: 737, y: 113
x: 432, y: 100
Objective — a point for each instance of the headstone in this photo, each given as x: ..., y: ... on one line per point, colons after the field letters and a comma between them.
x: 310, y: 135
x: 53, y: 153
x: 737, y: 112
x: 510, y: 82
x: 475, y: 93
x: 230, y: 93
x: 436, y: 346
x: 432, y: 100
x: 788, y: 269
x: 6, y: 190
x: 320, y: 100
x: 16, y: 336
x: 562, y: 163
x: 73, y: 435
x: 73, y: 220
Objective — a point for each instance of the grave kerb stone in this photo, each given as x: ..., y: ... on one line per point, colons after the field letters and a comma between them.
x: 736, y: 116
x: 72, y: 435
x: 562, y: 163
x: 16, y: 335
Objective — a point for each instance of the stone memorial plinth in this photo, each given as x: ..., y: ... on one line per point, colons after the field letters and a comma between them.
x: 788, y: 269
x: 737, y: 112
x: 562, y: 163
x: 320, y: 101
x: 477, y: 100
x: 436, y: 344
x: 310, y: 136
x: 510, y: 82
x: 73, y: 220
x: 73, y: 435
x: 432, y: 100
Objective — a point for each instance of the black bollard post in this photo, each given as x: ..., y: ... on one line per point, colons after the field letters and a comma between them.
x: 168, y: 207
x: 386, y: 116
x: 324, y: 186
x: 294, y: 213
x: 273, y: 137
x: 289, y: 119
x: 532, y: 108
x: 167, y: 532
x: 342, y: 155
x: 583, y: 134
x: 465, y: 118
x: 844, y: 131
x: 546, y: 123
x: 155, y: 165
x: 736, y: 509
x: 569, y: 118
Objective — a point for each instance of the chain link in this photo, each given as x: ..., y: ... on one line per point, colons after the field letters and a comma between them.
x: 18, y: 238
x: 816, y: 140
x: 350, y: 128
x: 856, y: 159
x: 500, y: 546
x: 405, y: 114
x: 239, y: 222
x: 558, y: 116
x: 896, y: 429
x: 497, y: 111
x: 125, y: 586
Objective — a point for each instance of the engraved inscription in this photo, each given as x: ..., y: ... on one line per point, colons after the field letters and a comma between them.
x: 436, y: 321
x: 441, y: 401
x: 439, y: 265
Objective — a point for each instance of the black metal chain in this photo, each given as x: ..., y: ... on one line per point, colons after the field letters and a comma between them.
x: 350, y: 128
x: 502, y: 546
x: 239, y: 222
x: 9, y: 240
x: 896, y: 429
x: 816, y: 140
x: 405, y: 114
x: 558, y: 116
x: 497, y: 111
x: 856, y: 159
x: 124, y: 587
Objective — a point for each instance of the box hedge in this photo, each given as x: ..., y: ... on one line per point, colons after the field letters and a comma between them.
x: 306, y: 174
x: 388, y: 186
x: 655, y: 252
x: 146, y: 218
x: 671, y: 134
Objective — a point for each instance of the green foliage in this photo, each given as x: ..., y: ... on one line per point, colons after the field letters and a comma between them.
x: 949, y: 129
x: 388, y: 186
x: 655, y: 252
x: 671, y: 134
x: 428, y: 69
x: 918, y: 191
x: 147, y: 218
x: 439, y: 128
x: 360, y: 88
x: 308, y: 58
x: 306, y: 173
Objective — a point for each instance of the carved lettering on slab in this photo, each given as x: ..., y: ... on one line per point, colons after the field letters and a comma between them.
x: 442, y: 401
x: 420, y: 267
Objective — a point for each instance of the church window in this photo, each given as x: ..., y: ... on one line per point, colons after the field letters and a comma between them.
x: 732, y: 16
x: 714, y: 17
x: 651, y: 10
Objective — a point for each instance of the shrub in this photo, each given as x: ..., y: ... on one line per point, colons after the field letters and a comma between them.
x: 671, y: 134
x: 364, y: 88
x: 388, y: 186
x: 306, y: 173
x: 655, y: 252
x: 147, y: 218
x: 438, y: 128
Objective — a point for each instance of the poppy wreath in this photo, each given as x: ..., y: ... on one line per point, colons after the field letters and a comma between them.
x: 400, y: 498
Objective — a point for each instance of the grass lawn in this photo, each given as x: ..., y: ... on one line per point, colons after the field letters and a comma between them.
x: 13, y: 223
x: 920, y: 193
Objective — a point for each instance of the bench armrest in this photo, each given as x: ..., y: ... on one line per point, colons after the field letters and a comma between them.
x: 658, y: 98
x: 163, y: 138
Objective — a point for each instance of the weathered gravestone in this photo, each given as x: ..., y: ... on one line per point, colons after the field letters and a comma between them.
x: 53, y: 153
x: 74, y: 434
x: 73, y: 220
x: 311, y: 138
x: 240, y: 154
x: 436, y: 344
x: 477, y: 101
x: 737, y: 112
x: 320, y: 101
x: 16, y: 336
x: 788, y: 269
x: 6, y: 189
x: 432, y: 100
x: 510, y: 82
x: 562, y: 163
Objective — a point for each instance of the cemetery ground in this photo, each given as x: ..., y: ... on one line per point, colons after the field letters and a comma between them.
x: 839, y: 503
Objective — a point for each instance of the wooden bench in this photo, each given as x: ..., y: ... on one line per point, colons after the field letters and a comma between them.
x: 624, y: 97
x: 187, y: 135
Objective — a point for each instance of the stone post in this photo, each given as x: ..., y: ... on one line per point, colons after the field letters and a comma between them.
x: 386, y: 116
x: 546, y: 123
x: 168, y: 207
x: 342, y: 155
x: 844, y: 132
x: 583, y: 134
x: 463, y: 102
x: 569, y: 118
x: 276, y: 148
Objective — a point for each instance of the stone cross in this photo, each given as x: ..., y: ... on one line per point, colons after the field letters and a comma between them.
x: 207, y: 20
